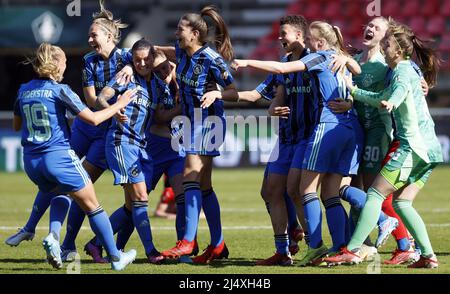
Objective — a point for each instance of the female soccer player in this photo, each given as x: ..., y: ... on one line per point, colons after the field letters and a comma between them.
x: 378, y: 135
x: 166, y: 159
x: 86, y: 140
x: 50, y: 162
x: 294, y: 91
x: 100, y: 66
x: 419, y: 151
x: 126, y: 141
x: 198, y: 65
x: 324, y: 162
x: 377, y: 125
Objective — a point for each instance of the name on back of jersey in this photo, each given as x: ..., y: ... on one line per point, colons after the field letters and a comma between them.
x: 36, y: 93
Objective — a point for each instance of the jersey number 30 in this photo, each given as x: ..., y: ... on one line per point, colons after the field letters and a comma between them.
x: 38, y: 123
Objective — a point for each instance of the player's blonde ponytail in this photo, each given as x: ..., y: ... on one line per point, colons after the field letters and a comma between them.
x: 106, y: 21
x: 331, y: 34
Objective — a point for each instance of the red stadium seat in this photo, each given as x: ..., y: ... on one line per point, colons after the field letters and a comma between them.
x: 390, y: 8
x: 296, y: 7
x: 314, y: 11
x: 355, y: 28
x: 431, y: 8
x: 351, y: 8
x: 436, y: 25
x: 332, y: 9
x: 445, y: 43
x: 410, y: 8
x: 445, y: 8
x: 418, y: 25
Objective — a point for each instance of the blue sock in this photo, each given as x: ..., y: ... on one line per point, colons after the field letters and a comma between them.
x: 211, y: 208
x: 40, y: 205
x: 403, y: 244
x: 126, y: 230
x: 142, y: 224
x: 291, y: 212
x: 282, y: 243
x: 121, y: 222
x: 357, y: 199
x: 313, y: 217
x: 74, y: 222
x: 193, y: 200
x: 99, y: 221
x: 180, y: 221
x: 59, y: 207
x: 336, y: 219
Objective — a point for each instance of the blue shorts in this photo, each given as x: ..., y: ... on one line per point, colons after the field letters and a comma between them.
x: 165, y: 159
x: 359, y: 148
x: 129, y: 164
x: 206, y: 138
x: 280, y: 159
x: 299, y: 154
x: 330, y: 149
x: 86, y: 143
x: 59, y: 169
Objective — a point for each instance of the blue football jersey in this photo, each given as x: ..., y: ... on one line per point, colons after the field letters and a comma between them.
x: 140, y: 111
x: 97, y: 72
x: 301, y: 98
x: 194, y: 73
x: 329, y: 86
x: 42, y: 105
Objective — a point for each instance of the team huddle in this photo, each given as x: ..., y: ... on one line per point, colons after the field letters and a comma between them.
x: 356, y: 125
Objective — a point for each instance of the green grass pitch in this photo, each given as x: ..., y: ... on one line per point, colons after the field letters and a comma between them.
x: 246, y: 225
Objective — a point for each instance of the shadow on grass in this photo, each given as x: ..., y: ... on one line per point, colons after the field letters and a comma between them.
x: 216, y: 263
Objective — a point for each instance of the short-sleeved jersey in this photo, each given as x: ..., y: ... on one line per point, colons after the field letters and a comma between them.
x: 329, y: 87
x: 97, y: 72
x: 372, y: 79
x: 139, y: 112
x: 194, y: 73
x: 42, y: 105
x: 267, y: 88
x: 300, y: 97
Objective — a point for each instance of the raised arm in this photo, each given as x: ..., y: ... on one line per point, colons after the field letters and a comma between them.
x: 249, y: 96
x: 395, y: 94
x: 270, y: 66
x: 89, y: 96
x: 169, y: 51
x: 341, y: 61
x: 229, y: 94
x: 96, y: 118
x: 102, y: 100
